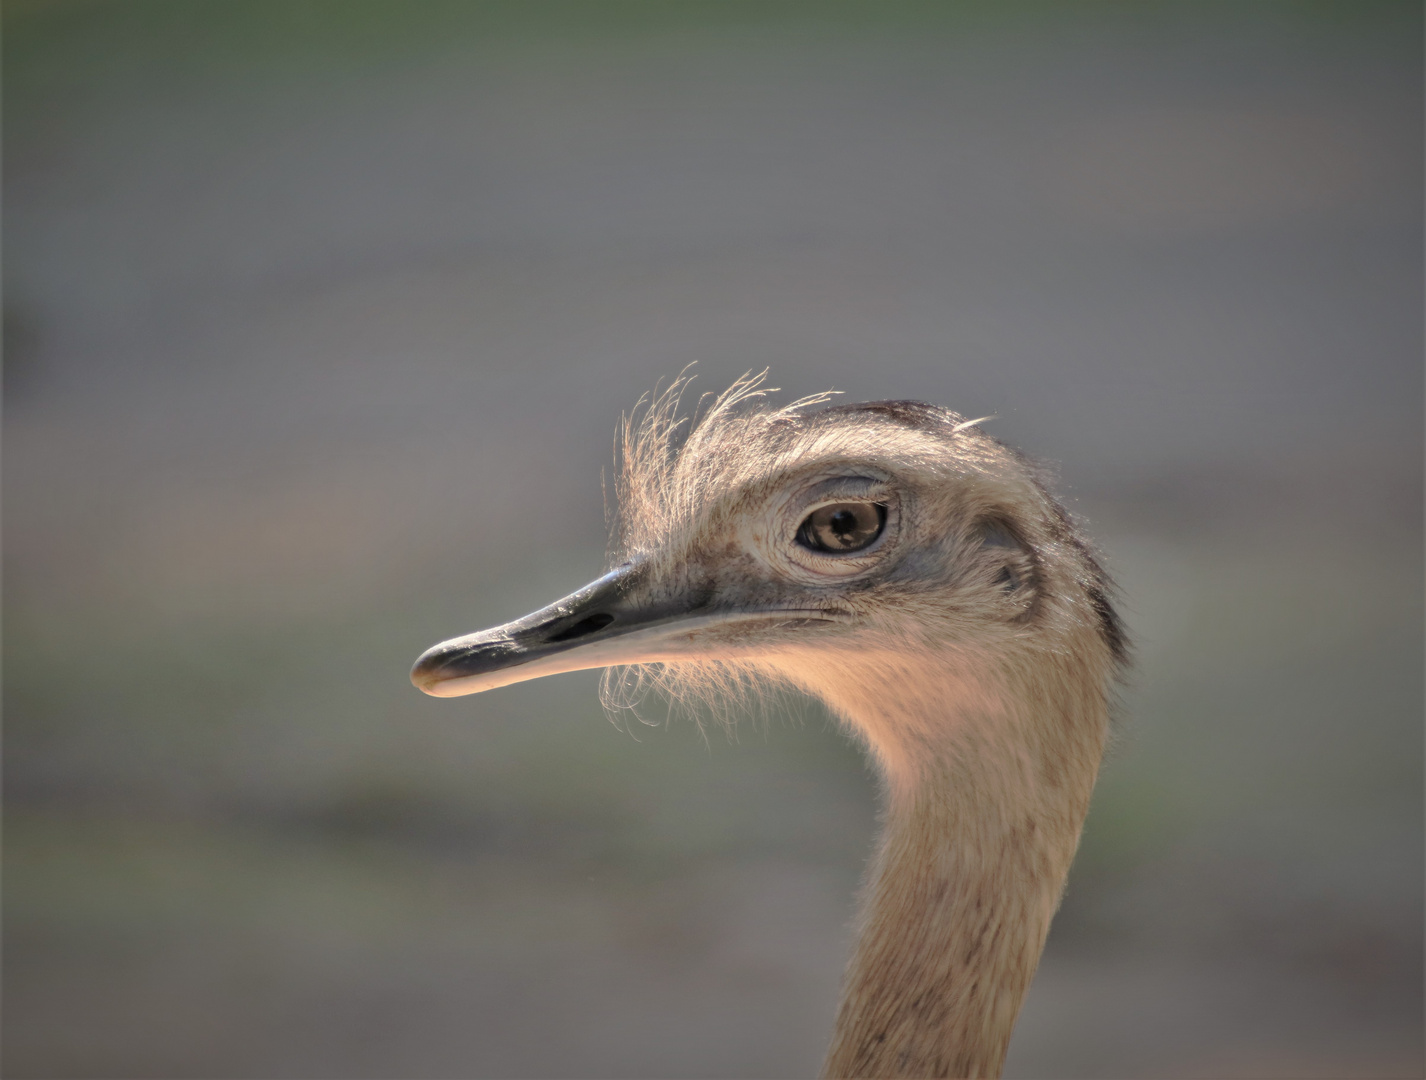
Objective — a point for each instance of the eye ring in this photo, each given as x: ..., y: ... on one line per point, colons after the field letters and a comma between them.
x: 843, y: 528
x: 780, y: 540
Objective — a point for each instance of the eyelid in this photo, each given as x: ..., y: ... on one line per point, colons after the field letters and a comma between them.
x: 845, y: 489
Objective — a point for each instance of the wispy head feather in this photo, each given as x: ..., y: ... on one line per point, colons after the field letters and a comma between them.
x: 669, y: 464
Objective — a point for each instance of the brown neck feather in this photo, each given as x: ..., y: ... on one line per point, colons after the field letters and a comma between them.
x: 978, y: 840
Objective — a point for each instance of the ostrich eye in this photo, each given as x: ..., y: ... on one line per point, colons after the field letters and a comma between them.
x: 842, y: 527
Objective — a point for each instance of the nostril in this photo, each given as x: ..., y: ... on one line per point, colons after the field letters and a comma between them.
x: 585, y: 626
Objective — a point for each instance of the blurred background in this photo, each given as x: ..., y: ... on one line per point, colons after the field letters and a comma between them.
x: 318, y: 320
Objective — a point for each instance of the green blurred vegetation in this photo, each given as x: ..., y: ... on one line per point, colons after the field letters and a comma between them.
x: 84, y: 38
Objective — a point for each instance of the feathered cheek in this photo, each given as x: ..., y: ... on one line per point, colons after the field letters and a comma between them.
x: 757, y: 537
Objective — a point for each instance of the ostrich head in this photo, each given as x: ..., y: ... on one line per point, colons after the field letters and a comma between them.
x: 866, y: 554
x: 913, y: 573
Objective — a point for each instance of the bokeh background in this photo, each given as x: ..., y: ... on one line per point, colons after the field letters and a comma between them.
x: 318, y: 320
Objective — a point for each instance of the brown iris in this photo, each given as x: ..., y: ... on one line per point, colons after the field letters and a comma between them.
x: 839, y: 528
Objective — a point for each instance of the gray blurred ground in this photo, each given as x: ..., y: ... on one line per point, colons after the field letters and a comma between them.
x: 317, y: 322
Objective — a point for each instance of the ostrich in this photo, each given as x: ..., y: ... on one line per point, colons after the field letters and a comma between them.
x: 914, y: 574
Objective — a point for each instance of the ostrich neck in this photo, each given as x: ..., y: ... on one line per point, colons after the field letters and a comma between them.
x: 985, y: 802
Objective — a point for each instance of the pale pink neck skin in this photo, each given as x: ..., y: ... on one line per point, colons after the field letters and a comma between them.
x: 988, y: 776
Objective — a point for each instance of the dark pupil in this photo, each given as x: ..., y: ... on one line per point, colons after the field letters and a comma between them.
x: 842, y: 526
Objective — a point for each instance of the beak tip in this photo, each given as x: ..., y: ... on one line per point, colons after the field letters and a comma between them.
x: 426, y: 672
x: 443, y: 671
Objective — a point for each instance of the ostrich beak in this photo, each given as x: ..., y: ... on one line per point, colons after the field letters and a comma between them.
x: 595, y: 627
x: 607, y: 623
